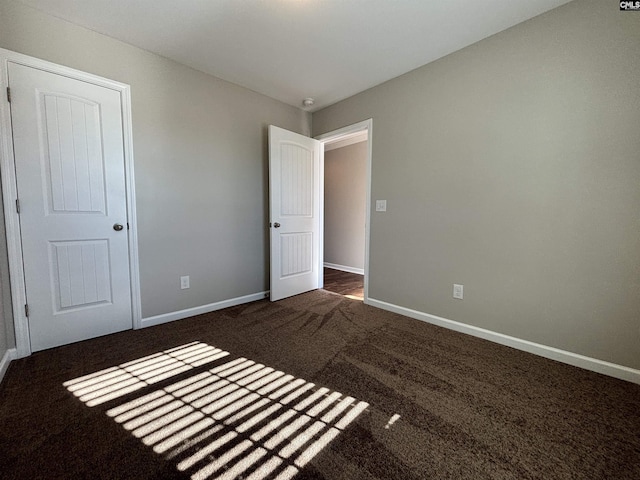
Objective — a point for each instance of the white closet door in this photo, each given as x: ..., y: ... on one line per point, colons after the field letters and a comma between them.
x: 69, y: 154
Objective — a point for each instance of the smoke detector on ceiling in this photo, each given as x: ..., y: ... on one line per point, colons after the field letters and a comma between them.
x: 308, y: 102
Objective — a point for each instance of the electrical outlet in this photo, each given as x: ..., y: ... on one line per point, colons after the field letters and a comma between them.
x: 184, y: 282
x: 381, y: 205
x: 458, y: 291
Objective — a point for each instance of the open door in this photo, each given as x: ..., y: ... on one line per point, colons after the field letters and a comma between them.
x: 294, y: 208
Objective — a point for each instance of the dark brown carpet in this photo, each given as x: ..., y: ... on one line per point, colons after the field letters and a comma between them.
x: 468, y: 409
x: 344, y: 283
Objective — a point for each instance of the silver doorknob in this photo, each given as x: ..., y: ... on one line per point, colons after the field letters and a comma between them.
x: 117, y: 227
x: 276, y: 225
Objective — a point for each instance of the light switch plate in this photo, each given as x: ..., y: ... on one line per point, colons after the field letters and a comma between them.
x: 381, y: 205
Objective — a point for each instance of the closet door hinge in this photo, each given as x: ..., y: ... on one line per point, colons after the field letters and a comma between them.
x: 8, y: 94
x: 18, y: 206
x: 26, y: 310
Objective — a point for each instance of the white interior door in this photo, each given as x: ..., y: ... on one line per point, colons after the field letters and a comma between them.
x: 69, y: 155
x: 294, y: 195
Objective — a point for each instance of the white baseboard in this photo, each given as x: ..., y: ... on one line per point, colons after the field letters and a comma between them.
x: 344, y: 268
x: 190, y: 312
x: 588, y: 363
x: 9, y: 355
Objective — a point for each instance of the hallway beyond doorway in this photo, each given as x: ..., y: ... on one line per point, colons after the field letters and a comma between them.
x: 344, y: 283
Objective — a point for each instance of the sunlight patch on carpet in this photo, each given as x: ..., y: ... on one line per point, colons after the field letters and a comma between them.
x: 238, y: 419
x: 115, y: 382
x: 391, y: 421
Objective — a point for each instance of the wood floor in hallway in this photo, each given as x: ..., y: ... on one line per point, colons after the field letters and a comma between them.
x: 344, y: 283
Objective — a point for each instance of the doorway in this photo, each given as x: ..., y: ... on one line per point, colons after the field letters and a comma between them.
x: 296, y: 208
x: 347, y: 167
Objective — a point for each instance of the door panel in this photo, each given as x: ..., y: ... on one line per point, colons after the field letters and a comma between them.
x: 72, y: 129
x: 69, y: 155
x: 296, y: 253
x: 296, y: 173
x: 80, y: 274
x: 294, y: 180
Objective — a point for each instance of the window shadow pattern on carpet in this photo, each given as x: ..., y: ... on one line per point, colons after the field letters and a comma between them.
x: 219, y: 418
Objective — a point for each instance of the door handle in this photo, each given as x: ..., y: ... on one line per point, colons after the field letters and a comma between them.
x: 117, y: 227
x: 276, y: 225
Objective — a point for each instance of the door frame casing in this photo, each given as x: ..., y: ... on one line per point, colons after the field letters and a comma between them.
x: 330, y: 137
x: 9, y: 191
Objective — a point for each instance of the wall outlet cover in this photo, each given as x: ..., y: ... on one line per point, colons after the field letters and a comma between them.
x: 458, y: 291
x: 184, y: 282
x: 381, y: 205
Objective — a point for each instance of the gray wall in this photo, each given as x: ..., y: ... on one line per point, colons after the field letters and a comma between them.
x: 345, y: 171
x: 200, y: 147
x: 513, y: 167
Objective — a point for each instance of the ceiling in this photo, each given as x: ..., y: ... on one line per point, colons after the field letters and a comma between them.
x: 292, y: 49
